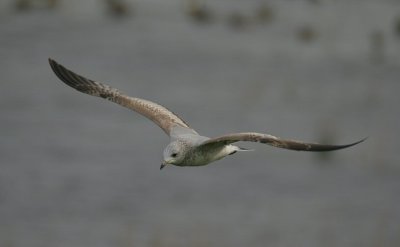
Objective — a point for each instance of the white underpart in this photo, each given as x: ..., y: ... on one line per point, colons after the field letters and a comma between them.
x: 228, y: 149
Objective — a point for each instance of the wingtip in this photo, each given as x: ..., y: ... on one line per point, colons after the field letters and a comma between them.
x: 55, y: 67
x: 52, y: 61
x: 357, y: 142
x: 362, y: 140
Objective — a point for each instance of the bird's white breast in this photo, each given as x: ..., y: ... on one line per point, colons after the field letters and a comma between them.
x: 203, y: 158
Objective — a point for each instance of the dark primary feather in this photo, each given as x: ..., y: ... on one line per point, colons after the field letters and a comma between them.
x: 274, y: 141
x: 163, y: 117
x: 81, y: 83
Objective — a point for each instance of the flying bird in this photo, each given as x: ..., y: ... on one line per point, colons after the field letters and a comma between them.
x: 186, y: 147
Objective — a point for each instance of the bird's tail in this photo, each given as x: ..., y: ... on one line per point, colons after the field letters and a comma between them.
x: 239, y: 149
x: 244, y: 149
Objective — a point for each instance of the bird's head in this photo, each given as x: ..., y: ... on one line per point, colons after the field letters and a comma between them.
x: 173, y: 154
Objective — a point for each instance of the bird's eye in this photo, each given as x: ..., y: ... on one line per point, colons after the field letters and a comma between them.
x: 174, y: 155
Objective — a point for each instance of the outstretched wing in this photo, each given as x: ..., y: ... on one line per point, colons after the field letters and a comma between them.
x: 273, y: 141
x: 155, y: 112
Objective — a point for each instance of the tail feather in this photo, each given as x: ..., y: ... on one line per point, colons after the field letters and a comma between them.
x: 244, y: 149
x: 239, y: 149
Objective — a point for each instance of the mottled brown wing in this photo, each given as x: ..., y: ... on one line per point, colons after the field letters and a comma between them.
x: 155, y: 112
x: 274, y: 141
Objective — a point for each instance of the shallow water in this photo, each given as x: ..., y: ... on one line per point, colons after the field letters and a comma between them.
x: 80, y: 171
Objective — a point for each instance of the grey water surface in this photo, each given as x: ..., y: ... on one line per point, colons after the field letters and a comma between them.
x: 80, y: 171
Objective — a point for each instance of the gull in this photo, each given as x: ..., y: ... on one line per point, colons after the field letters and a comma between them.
x: 186, y: 147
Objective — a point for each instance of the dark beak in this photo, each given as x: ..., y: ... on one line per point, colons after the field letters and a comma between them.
x: 163, y: 165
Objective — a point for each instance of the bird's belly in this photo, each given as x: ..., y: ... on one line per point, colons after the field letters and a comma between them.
x: 200, y: 158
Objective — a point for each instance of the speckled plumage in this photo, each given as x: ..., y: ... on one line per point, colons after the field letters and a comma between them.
x: 187, y: 147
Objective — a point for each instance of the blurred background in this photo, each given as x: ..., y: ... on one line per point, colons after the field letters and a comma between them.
x: 80, y: 171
